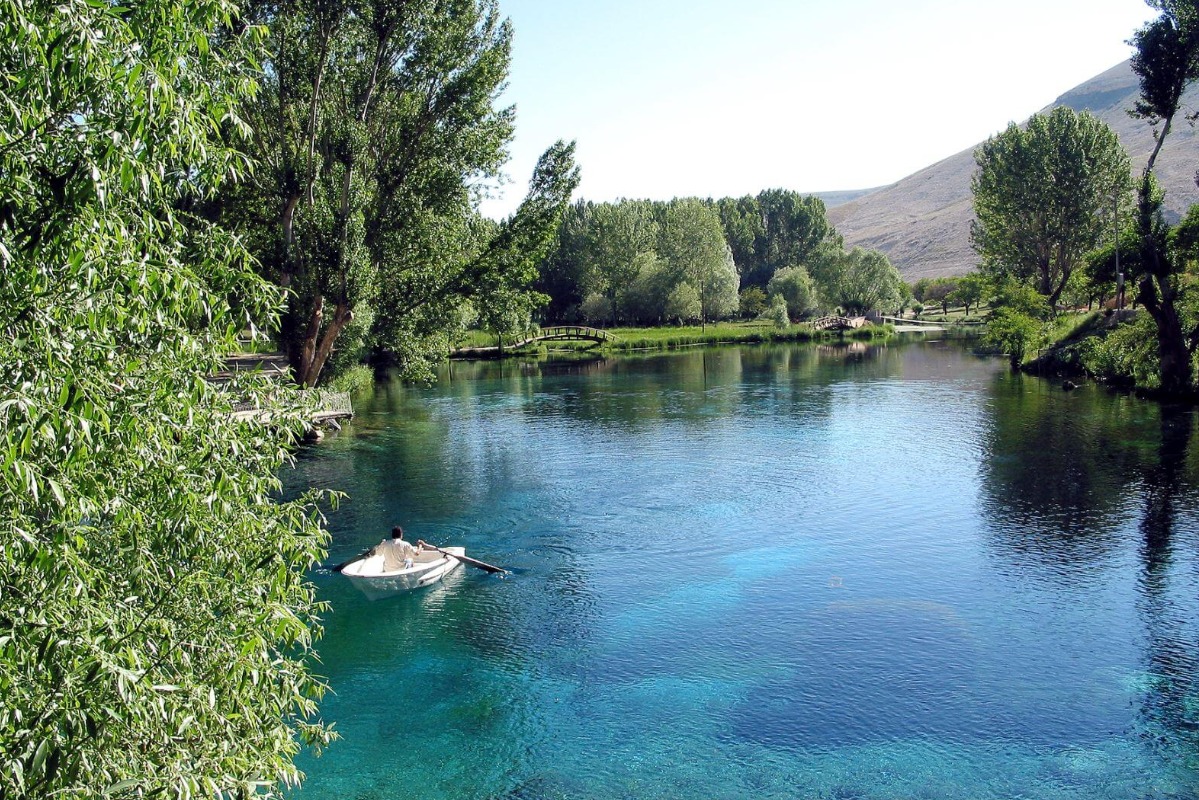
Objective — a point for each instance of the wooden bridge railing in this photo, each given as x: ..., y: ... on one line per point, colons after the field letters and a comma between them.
x: 830, y: 322
x: 565, y: 333
x: 333, y: 405
x: 326, y: 406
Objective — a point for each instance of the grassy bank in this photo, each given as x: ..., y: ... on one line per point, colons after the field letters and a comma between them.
x: 1120, y: 352
x: 673, y: 336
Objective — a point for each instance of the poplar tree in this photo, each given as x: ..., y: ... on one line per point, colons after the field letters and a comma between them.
x: 377, y: 123
x: 1044, y: 195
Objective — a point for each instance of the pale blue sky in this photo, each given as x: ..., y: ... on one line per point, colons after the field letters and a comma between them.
x: 712, y: 98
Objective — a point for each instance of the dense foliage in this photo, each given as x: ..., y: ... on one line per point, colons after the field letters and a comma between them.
x: 376, y: 122
x: 154, y: 619
x: 858, y: 281
x: 774, y: 230
x: 1044, y: 195
x: 649, y: 263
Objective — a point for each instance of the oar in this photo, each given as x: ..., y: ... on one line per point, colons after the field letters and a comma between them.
x: 474, y: 562
x: 359, y: 557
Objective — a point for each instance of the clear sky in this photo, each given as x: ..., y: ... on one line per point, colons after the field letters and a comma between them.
x: 711, y: 98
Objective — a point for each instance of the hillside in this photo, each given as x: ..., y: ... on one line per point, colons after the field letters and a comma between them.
x: 923, y: 222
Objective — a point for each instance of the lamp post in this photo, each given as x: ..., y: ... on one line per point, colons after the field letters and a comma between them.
x: 1119, y: 274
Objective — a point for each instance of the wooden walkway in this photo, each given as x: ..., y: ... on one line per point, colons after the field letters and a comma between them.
x: 922, y: 322
x: 327, y: 406
x: 913, y: 325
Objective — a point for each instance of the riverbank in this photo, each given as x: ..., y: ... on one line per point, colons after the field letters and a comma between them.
x: 481, y: 345
x: 1117, y: 350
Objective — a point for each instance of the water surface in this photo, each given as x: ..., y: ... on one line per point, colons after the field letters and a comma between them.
x: 766, y: 572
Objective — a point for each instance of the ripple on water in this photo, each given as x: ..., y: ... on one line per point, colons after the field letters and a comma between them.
x: 767, y: 573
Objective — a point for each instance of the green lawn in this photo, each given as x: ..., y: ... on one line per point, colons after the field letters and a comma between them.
x: 670, y: 336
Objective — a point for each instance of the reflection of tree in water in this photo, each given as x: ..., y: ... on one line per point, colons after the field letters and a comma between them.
x: 1170, y: 691
x: 638, y: 391
x: 848, y: 352
x: 1054, y: 473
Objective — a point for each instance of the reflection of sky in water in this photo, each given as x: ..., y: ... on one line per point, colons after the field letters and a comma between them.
x: 767, y: 572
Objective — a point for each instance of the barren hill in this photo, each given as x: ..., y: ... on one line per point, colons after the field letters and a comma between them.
x: 923, y: 222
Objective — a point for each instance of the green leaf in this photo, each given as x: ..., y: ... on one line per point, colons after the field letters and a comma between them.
x: 120, y: 786
x: 39, y: 757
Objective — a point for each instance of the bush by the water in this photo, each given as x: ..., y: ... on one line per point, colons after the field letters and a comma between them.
x: 1126, y: 356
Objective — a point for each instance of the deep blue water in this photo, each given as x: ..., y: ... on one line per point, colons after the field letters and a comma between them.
x: 766, y: 572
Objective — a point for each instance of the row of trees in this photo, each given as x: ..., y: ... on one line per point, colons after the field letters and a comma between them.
x: 640, y: 261
x: 1060, y: 214
x: 646, y: 262
x: 968, y: 291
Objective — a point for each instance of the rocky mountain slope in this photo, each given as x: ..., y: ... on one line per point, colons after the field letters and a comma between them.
x: 923, y: 222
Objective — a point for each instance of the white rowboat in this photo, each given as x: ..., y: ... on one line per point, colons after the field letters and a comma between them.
x: 376, y: 582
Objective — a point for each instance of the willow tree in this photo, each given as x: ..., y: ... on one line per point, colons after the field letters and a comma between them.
x: 1166, y: 63
x: 377, y: 122
x: 858, y: 281
x: 154, y: 617
x: 1044, y: 195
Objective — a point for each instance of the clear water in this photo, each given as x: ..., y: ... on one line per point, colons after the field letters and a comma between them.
x: 767, y: 572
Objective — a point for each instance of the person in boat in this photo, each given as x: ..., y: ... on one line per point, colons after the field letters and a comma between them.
x: 397, y: 553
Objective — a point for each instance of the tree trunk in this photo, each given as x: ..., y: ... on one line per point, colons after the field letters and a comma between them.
x: 305, y: 349
x: 288, y: 224
x: 341, y: 318
x: 1158, y: 298
x: 309, y: 356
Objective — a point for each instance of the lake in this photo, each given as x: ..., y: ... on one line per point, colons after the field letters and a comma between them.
x: 766, y: 572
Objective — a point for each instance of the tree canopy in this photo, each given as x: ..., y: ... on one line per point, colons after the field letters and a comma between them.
x: 376, y: 124
x: 154, y: 617
x: 638, y: 261
x: 777, y: 228
x: 692, y: 246
x: 858, y: 281
x: 1044, y: 195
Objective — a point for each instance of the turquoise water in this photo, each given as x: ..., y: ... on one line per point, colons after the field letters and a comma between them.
x: 766, y: 572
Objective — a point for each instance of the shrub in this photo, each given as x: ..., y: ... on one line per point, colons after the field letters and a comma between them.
x: 1014, y: 332
x: 776, y: 312
x: 1126, y: 356
x: 353, y: 380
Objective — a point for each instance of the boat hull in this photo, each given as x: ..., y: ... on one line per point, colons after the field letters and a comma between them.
x: 369, y: 577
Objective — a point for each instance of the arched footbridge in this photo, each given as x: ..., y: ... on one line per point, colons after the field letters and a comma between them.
x: 837, y: 323
x: 565, y: 333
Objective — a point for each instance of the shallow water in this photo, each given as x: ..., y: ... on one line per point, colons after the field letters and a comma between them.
x: 766, y: 572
